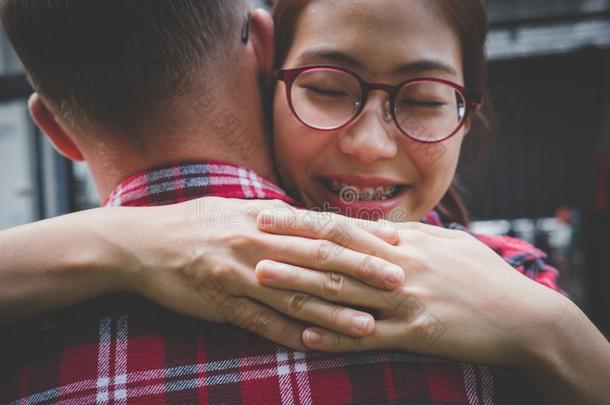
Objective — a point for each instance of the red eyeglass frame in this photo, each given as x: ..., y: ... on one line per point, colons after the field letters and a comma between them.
x: 473, y: 98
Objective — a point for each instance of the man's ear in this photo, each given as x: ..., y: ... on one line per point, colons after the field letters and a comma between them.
x: 261, y: 36
x: 45, y: 119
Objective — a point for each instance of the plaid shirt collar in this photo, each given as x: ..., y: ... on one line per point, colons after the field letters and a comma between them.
x: 183, y: 182
x: 126, y: 350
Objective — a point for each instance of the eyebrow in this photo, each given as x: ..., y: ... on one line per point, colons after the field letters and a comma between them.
x: 342, y: 58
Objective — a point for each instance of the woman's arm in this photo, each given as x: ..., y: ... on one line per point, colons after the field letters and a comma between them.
x: 461, y: 300
x: 51, y: 264
x: 568, y: 358
x: 195, y: 258
x: 55, y: 263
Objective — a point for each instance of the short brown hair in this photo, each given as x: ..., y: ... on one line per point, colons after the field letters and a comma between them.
x: 119, y: 62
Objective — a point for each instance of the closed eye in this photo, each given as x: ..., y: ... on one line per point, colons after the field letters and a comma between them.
x: 324, y: 92
x: 423, y: 103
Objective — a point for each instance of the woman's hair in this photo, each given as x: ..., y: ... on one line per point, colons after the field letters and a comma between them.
x: 468, y: 18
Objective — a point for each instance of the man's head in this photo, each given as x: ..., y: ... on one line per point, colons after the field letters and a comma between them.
x: 128, y: 72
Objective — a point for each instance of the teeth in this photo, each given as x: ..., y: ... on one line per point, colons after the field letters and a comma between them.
x: 365, y: 194
x: 379, y: 193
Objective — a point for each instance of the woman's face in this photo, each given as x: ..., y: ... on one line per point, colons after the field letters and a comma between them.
x: 383, y: 41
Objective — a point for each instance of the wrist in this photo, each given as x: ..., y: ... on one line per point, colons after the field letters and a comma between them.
x: 542, y: 331
x: 113, y: 264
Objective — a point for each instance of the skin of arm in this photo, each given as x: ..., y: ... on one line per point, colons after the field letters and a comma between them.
x: 57, y: 262
x: 572, y: 365
x: 185, y: 257
x: 485, y: 312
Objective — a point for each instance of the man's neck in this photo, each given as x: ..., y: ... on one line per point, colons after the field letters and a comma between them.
x: 112, y: 164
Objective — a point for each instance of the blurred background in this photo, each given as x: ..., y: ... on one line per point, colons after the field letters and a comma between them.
x: 548, y: 178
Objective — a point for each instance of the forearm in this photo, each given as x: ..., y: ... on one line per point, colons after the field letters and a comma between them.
x: 54, y: 263
x: 571, y: 363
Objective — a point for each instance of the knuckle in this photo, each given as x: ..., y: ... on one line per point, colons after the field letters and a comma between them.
x: 414, y: 261
x: 233, y: 311
x: 428, y: 328
x: 261, y: 322
x: 296, y: 302
x: 318, y: 221
x: 339, y: 234
x: 409, y: 308
x: 333, y: 284
x: 408, y: 236
x: 329, y: 230
x: 254, y: 208
x: 417, y: 328
x: 210, y: 289
x: 335, y: 219
x: 322, y: 251
x: 188, y: 267
x: 235, y: 240
x: 223, y: 272
x: 306, y: 221
x: 367, y: 267
x: 205, y: 278
x: 294, y: 277
x: 283, y: 331
x: 394, y: 299
x: 335, y: 315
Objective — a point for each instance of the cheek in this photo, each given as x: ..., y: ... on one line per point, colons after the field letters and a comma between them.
x: 294, y: 146
x: 437, y: 163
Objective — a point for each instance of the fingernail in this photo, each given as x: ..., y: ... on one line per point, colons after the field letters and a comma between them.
x: 265, y: 270
x: 393, y: 275
x: 360, y: 322
x: 312, y: 336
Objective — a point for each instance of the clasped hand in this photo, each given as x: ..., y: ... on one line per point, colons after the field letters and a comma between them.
x: 458, y: 298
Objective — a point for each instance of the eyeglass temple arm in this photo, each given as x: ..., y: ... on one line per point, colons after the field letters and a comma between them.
x: 278, y: 74
x: 475, y: 97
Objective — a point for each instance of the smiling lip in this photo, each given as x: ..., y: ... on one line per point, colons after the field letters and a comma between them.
x: 360, y: 208
x: 364, y: 181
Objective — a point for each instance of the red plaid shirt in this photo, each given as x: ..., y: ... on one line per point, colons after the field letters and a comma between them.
x: 123, y: 349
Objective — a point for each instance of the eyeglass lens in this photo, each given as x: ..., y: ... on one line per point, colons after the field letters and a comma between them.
x: 327, y: 99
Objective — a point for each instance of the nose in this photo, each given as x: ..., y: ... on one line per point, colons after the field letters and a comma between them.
x: 371, y: 137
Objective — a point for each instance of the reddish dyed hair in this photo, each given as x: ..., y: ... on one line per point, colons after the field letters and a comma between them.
x: 468, y: 18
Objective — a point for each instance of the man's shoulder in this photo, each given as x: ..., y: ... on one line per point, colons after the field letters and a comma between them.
x: 126, y: 347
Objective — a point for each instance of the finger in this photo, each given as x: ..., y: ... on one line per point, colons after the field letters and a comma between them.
x: 328, y: 341
x: 328, y: 256
x: 323, y: 225
x: 262, y: 321
x: 329, y: 286
x: 252, y: 208
x: 307, y: 308
x: 424, y: 335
